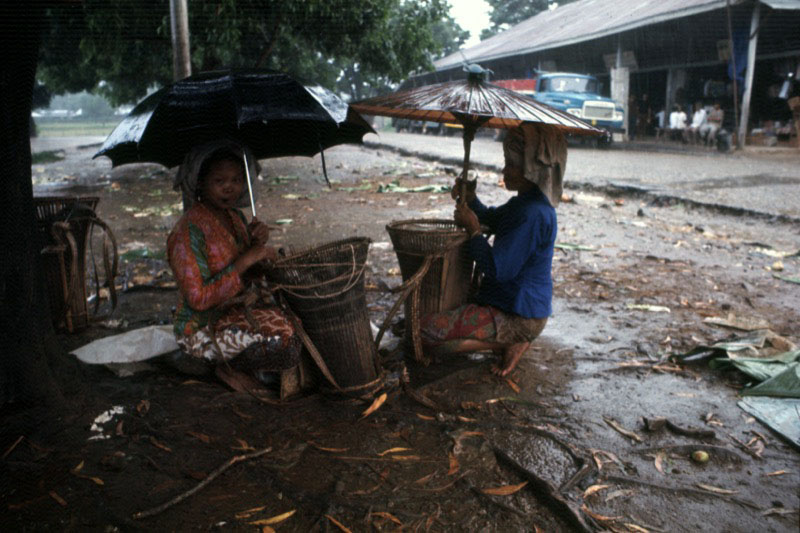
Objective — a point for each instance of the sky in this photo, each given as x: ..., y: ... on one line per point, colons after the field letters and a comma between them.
x: 472, y: 15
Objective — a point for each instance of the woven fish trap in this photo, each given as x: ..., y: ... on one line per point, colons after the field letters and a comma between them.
x: 448, y: 280
x: 324, y: 287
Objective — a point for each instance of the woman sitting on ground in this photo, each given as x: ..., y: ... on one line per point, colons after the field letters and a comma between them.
x: 514, y: 300
x: 212, y: 249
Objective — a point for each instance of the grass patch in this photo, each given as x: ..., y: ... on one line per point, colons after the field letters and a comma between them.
x: 74, y: 128
x: 49, y: 156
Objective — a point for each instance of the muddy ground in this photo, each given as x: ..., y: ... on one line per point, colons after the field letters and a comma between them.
x: 538, y: 451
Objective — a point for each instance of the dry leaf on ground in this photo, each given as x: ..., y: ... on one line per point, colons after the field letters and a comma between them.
x: 505, y: 490
x: 375, y: 405
x: 599, y: 517
x: 454, y: 466
x: 594, y: 488
x: 393, y: 450
x: 337, y: 523
x: 274, y: 520
x: 718, y: 490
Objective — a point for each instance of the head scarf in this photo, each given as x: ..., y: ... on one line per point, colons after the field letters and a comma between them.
x: 541, y: 153
x: 187, y: 176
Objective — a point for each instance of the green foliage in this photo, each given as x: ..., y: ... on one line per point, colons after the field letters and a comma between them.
x: 121, y: 48
x: 507, y: 13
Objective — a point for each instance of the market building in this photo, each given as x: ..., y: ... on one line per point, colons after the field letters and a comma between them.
x: 652, y: 54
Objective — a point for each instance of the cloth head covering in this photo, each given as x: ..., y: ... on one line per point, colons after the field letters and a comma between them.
x: 541, y: 153
x: 188, y: 173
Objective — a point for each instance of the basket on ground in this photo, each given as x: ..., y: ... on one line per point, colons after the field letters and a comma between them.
x: 324, y: 287
x: 448, y: 281
x: 65, y: 273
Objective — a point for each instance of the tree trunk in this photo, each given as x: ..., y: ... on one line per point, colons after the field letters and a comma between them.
x: 27, y: 339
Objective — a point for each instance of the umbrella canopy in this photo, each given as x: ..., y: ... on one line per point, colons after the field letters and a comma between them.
x: 270, y: 112
x: 472, y: 103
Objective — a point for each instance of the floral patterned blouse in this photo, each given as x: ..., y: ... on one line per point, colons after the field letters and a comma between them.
x: 201, y: 253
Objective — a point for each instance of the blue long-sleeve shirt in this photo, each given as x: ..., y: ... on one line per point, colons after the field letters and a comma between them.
x: 517, y: 268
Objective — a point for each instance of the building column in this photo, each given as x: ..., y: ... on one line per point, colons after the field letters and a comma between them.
x: 748, y: 77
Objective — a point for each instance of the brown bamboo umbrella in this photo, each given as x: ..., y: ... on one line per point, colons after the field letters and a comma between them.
x: 473, y: 103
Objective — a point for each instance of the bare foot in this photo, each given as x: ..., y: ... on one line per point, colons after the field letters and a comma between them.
x: 511, y: 357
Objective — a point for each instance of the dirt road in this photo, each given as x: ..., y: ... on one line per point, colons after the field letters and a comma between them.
x: 635, y: 280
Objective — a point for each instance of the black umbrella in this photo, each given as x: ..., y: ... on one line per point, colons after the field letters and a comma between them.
x: 272, y: 113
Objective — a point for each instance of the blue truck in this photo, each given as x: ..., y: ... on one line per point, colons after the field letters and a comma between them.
x: 577, y: 94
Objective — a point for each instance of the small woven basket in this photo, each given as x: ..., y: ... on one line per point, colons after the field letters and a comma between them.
x: 324, y: 286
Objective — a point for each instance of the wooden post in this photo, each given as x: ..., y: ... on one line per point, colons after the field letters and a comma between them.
x: 748, y: 80
x: 179, y: 22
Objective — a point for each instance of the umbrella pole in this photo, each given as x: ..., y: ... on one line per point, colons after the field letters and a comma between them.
x: 249, y: 183
x: 469, y: 135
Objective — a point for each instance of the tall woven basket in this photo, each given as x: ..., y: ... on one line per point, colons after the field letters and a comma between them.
x: 324, y: 287
x: 65, y: 275
x: 448, y: 280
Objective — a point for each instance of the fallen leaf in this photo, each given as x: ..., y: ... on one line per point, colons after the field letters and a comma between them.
x: 199, y: 436
x: 243, y: 446
x: 777, y: 473
x: 600, y: 517
x: 191, y: 382
x: 326, y: 449
x: 388, y: 516
x: 660, y: 456
x: 160, y: 445
x: 513, y: 385
x: 393, y: 450
x: 143, y: 407
x: 505, y: 490
x: 634, y: 527
x: 61, y: 501
x: 470, y: 405
x: 267, y: 529
x: 405, y: 457
x: 594, y: 488
x: 454, y: 466
x: 249, y: 512
x: 336, y: 522
x: 618, y: 493
x: 375, y: 406
x: 96, y: 480
x: 274, y: 520
x: 77, y: 468
x: 779, y: 511
x: 365, y: 492
x: 424, y: 417
x: 424, y: 479
x: 718, y: 490
x: 466, y: 419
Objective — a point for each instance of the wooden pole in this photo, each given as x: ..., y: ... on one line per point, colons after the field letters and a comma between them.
x: 733, y: 64
x: 748, y: 80
x: 179, y: 23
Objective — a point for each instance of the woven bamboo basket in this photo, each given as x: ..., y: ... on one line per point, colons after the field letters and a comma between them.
x: 68, y: 308
x: 448, y: 281
x: 324, y: 287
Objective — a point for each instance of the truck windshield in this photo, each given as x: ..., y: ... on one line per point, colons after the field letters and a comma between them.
x: 565, y: 84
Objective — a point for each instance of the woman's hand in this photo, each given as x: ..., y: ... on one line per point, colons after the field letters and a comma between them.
x: 466, y: 217
x: 252, y: 256
x: 469, y: 194
x: 259, y: 232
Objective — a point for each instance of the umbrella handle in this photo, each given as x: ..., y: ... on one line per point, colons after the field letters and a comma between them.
x: 249, y: 183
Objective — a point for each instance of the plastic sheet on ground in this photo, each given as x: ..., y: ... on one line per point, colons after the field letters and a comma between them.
x: 779, y: 414
x: 129, y: 347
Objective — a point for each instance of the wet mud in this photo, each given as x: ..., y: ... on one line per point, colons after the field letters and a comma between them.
x: 558, y: 446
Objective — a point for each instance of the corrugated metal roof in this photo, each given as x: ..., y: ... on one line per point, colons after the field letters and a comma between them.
x: 782, y: 4
x: 586, y: 20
